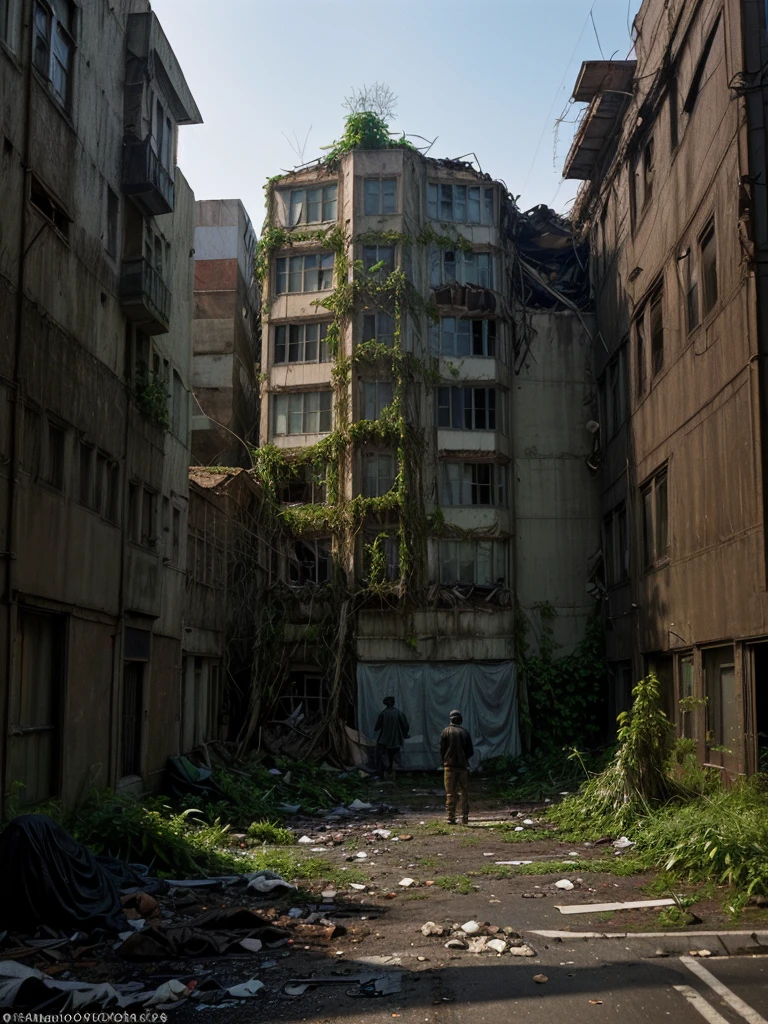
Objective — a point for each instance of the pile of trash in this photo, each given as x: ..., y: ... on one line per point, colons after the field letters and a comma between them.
x: 477, y: 937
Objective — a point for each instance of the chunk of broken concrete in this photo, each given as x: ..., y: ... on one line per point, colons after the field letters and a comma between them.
x: 524, y: 950
x: 456, y: 944
x: 406, y: 883
x: 477, y: 944
x: 540, y: 979
x: 564, y: 883
x: 497, y: 945
x: 430, y: 928
x: 470, y: 928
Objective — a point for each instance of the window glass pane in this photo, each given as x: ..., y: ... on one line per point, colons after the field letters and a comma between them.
x: 281, y: 280
x: 662, y: 542
x: 473, y: 206
x: 444, y: 407
x: 490, y: 333
x: 708, y: 270
x: 388, y: 195
x: 325, y: 411
x: 449, y: 265
x: 648, y: 527
x: 330, y: 205
x: 294, y: 275
x: 281, y: 414
x: 297, y: 206
x: 446, y: 202
x: 326, y: 272
x: 386, y: 329
x: 280, y: 344
x: 464, y: 328
x: 449, y: 562
x: 41, y: 54
x: 481, y: 418
x: 457, y: 406
x: 369, y: 327
x: 314, y: 199
x: 432, y: 201
x: 448, y: 343
x: 489, y: 206
x: 459, y: 203
x: 311, y: 273
x: 435, y: 267
x: 371, y: 196
x: 434, y: 339
x: 369, y: 400
x: 492, y: 410
x: 296, y: 417
x: 484, y: 563
x: 384, y: 394
x: 294, y: 344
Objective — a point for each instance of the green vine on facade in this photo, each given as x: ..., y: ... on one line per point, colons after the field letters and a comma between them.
x: 152, y: 395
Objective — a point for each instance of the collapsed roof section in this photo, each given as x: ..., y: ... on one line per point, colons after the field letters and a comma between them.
x: 553, y: 265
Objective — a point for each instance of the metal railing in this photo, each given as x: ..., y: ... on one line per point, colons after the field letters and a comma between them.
x: 140, y: 280
x: 145, y: 177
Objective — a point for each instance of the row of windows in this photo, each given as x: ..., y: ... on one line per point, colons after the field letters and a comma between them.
x: 452, y: 336
x: 479, y: 562
x: 458, y: 204
x: 314, y: 272
x: 458, y: 408
x: 655, y: 537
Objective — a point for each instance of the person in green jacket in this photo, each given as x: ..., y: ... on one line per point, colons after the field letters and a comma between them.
x: 393, y: 729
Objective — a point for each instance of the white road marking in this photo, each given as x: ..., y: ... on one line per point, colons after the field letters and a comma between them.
x: 742, y: 1008
x: 698, y: 1002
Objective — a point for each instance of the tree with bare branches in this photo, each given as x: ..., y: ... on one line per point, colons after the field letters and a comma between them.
x: 377, y: 98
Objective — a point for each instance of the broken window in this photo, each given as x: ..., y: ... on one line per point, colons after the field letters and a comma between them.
x: 378, y: 473
x: 304, y: 273
x: 474, y: 483
x: 375, y: 397
x: 301, y: 343
x: 305, y: 485
x: 649, y: 171
x: 468, y: 408
x: 302, y: 412
x: 723, y: 716
x: 379, y: 327
x: 311, y: 562
x: 47, y: 207
x: 54, y: 456
x: 380, y: 196
x: 378, y: 261
x: 655, y: 519
x: 482, y: 562
x: 36, y: 704
x: 455, y: 336
x: 302, y: 697
x: 316, y: 205
x: 54, y: 46
x: 708, y: 256
x: 455, y: 265
x: 656, y: 325
x: 616, y: 546
x: 460, y: 204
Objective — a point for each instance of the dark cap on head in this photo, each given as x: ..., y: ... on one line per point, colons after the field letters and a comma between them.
x: 389, y: 701
x: 456, y: 716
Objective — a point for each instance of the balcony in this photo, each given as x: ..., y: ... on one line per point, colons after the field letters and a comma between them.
x: 144, y: 296
x: 145, y: 178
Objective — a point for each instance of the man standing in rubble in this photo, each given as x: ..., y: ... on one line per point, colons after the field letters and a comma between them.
x: 393, y: 729
x: 455, y: 750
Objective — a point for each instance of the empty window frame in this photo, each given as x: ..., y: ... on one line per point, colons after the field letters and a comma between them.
x: 375, y: 397
x: 473, y: 483
x: 482, y: 562
x: 110, y: 232
x: 655, y: 504
x: 460, y: 204
x: 380, y: 256
x: 303, y: 697
x: 306, y: 485
x: 53, y: 46
x: 111, y: 511
x: 379, y: 327
x: 648, y: 162
x: 378, y: 473
x: 86, y: 490
x: 379, y: 196
x: 310, y: 562
x: 699, y: 76
x: 656, y: 329
x: 686, y: 692
x: 469, y: 408
x: 616, y: 546
x: 47, y: 207
x: 301, y: 343
x: 8, y: 19
x: 449, y: 265
x: 55, y: 455
x: 708, y: 262
x: 317, y: 205
x: 455, y: 336
x: 148, y: 537
x: 304, y: 273
x: 691, y: 276
x: 302, y: 412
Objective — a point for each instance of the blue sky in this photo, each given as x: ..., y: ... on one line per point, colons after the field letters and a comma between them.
x: 488, y: 76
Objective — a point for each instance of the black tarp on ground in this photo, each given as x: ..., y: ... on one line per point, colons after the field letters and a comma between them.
x: 49, y: 878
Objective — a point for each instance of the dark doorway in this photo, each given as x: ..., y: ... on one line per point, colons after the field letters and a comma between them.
x: 761, y: 704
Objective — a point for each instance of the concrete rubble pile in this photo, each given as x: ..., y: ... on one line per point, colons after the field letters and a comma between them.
x: 477, y: 937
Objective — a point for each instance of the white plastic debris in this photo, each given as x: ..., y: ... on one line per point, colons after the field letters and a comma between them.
x: 169, y: 992
x: 252, y: 945
x: 407, y: 882
x: 275, y: 771
x: 247, y: 990
x: 622, y: 844
x: 470, y: 928
x: 382, y: 833
x: 527, y: 821
x: 296, y: 912
x: 519, y: 828
x: 455, y: 944
x: 305, y: 841
x: 319, y: 849
x: 357, y: 885
x: 360, y: 805
x: 564, y: 883
x: 497, y: 945
x: 329, y: 894
x: 268, y: 881
x: 362, y: 855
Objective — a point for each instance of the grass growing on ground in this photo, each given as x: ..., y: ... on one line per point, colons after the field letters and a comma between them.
x: 455, y: 883
x: 271, y: 833
x: 532, y: 778
x: 621, y: 867
x: 677, y: 813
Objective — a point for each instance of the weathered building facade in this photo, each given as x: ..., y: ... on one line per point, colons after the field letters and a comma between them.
x: 96, y: 232
x: 672, y: 150
x: 423, y: 421
x: 225, y: 335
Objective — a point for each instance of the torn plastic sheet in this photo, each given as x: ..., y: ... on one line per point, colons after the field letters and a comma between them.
x: 25, y: 988
x: 269, y: 882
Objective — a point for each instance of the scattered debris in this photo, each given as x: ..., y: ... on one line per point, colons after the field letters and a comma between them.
x: 430, y: 928
x: 247, y: 990
x: 595, y: 908
x: 564, y: 883
x: 540, y: 979
x: 406, y: 883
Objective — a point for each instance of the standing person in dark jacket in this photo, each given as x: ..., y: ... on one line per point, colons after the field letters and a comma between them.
x: 393, y: 729
x: 455, y: 750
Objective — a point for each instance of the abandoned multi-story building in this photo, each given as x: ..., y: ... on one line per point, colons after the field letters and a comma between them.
x: 96, y: 233
x: 225, y: 335
x: 426, y: 433
x: 672, y: 150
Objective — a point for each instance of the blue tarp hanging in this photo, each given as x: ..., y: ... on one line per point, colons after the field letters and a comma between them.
x: 485, y: 693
